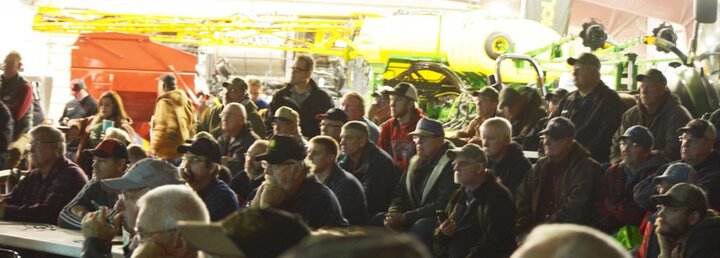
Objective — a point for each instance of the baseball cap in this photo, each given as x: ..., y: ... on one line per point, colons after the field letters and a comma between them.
x: 428, y: 127
x: 247, y: 233
x: 508, y: 97
x: 556, y: 94
x: 677, y: 173
x: 470, y: 150
x: 334, y: 114
x: 287, y: 114
x: 382, y: 91
x: 585, y: 59
x: 559, y: 128
x: 235, y: 83
x: 405, y: 89
x: 167, y: 79
x: 146, y: 173
x: 639, y: 135
x: 699, y: 128
x: 282, y: 148
x: 652, y: 75
x: 683, y: 195
x: 488, y: 91
x: 77, y: 85
x: 202, y: 146
x: 109, y: 148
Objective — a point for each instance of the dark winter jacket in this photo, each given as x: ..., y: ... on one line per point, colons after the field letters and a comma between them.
x: 318, y: 102
x: 512, y: 168
x: 378, y: 175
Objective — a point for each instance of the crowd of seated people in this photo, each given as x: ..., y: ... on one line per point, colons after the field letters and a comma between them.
x: 313, y: 180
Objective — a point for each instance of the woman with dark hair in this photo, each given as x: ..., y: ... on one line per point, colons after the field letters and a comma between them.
x: 111, y: 113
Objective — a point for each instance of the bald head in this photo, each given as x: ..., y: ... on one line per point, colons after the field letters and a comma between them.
x: 234, y: 118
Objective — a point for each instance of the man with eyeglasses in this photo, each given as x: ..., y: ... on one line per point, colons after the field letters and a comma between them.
x: 142, y: 177
x: 289, y: 185
x: 331, y: 122
x: 674, y: 174
x: 17, y: 94
x: 50, y: 185
x: 481, y: 213
x: 426, y: 186
x: 561, y: 187
x: 685, y: 226
x: 658, y: 110
x: 303, y: 95
x: 201, y: 167
x: 235, y: 92
x: 157, y: 223
x: 697, y: 140
x: 236, y: 136
x: 246, y: 182
x: 110, y: 160
x: 617, y: 206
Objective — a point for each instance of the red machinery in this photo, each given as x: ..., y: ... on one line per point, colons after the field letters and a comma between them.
x: 130, y: 65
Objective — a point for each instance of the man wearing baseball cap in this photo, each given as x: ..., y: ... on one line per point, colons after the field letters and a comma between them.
x: 486, y: 104
x: 247, y: 233
x: 426, y: 186
x: 480, y: 207
x: 523, y: 107
x: 379, y: 111
x: 561, y: 186
x: 697, y: 149
x: 235, y: 92
x: 303, y: 95
x: 82, y: 105
x: 594, y: 108
x: 286, y: 123
x: 332, y: 122
x: 201, y: 166
x: 674, y: 174
x: 685, y: 226
x: 394, y: 135
x: 658, y: 110
x: 289, y: 185
x: 142, y: 177
x: 173, y: 121
x: 617, y: 205
x: 110, y: 161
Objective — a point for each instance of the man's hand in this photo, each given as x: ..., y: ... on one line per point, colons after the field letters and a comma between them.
x: 666, y: 244
x: 95, y: 224
x: 448, y: 227
x: 394, y: 221
x: 79, y: 211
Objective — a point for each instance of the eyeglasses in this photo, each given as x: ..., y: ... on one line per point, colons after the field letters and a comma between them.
x: 690, y: 140
x: 275, y: 167
x: 464, y: 163
x: 223, y: 114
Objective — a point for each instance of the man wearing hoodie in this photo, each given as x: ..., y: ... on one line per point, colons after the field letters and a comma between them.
x: 659, y: 111
x: 173, y: 121
x: 617, y: 207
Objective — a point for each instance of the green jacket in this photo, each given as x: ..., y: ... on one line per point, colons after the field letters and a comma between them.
x: 210, y: 120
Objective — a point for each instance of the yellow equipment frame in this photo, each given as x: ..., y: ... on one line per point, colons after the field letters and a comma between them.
x: 318, y: 34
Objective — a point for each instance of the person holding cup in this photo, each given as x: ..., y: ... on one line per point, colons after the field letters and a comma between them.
x: 111, y: 114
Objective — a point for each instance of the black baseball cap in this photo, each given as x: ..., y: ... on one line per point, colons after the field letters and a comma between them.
x: 699, y: 128
x: 640, y: 136
x: 559, y: 128
x: 652, y: 75
x: 202, y: 146
x: 167, y: 79
x: 281, y: 149
x: 585, y: 59
x: 334, y: 114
